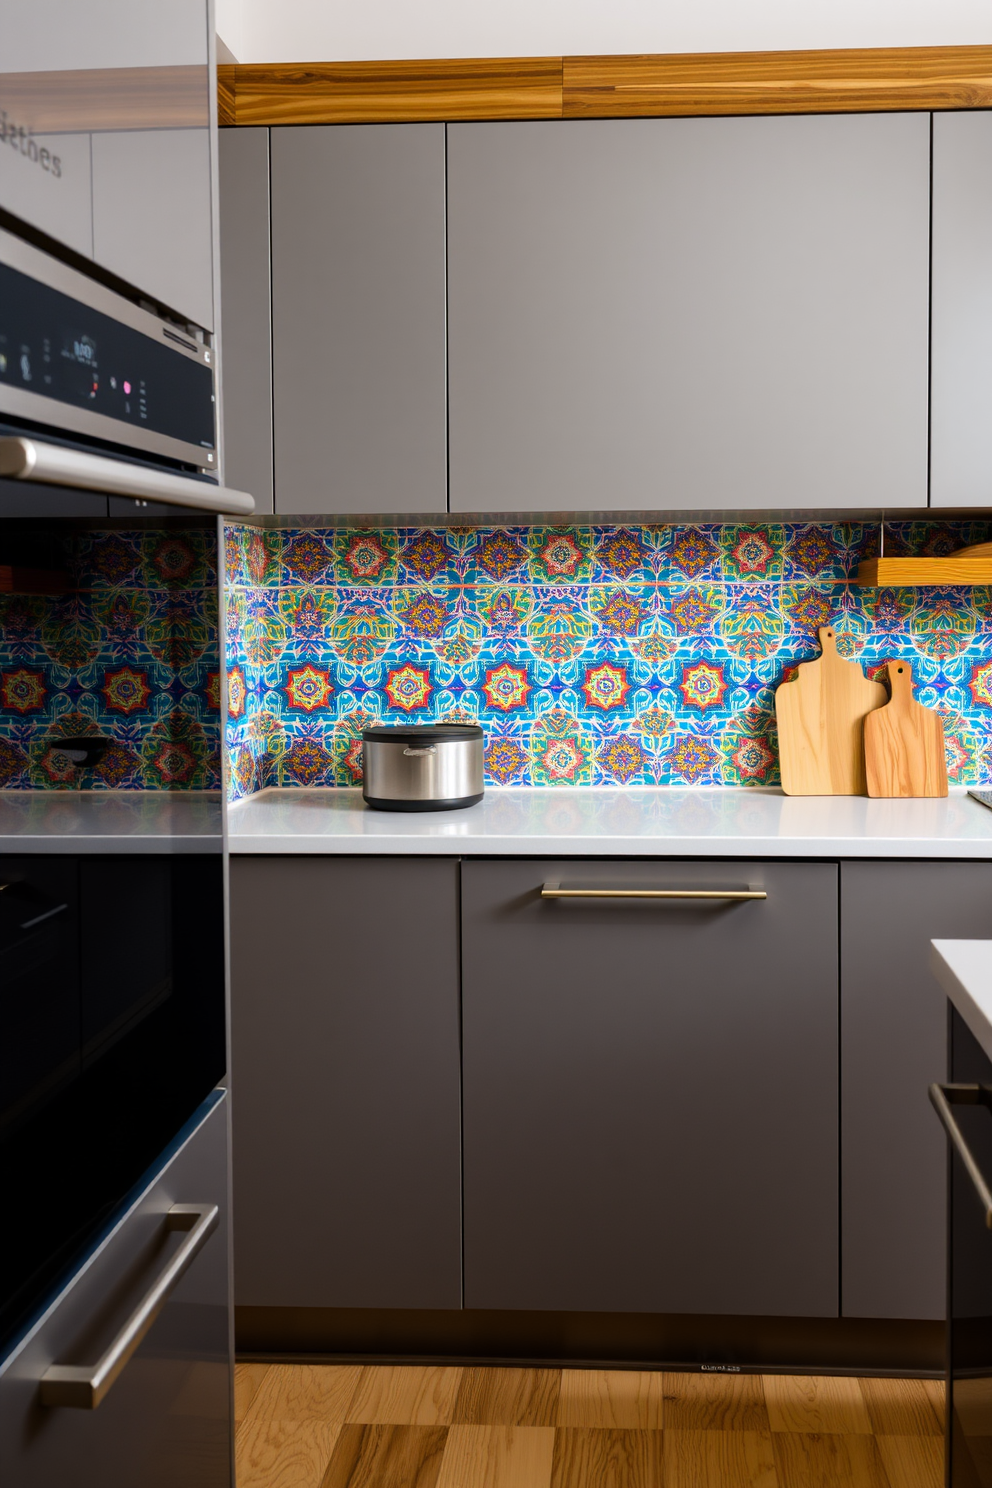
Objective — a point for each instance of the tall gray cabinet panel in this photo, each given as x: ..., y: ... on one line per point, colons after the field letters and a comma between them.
x: 344, y: 990
x: 358, y: 318
x: 688, y: 313
x: 894, y: 1043
x: 650, y: 1090
x: 961, y: 386
x: 246, y: 347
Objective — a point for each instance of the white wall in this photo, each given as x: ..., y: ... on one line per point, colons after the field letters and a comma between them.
x: 348, y: 30
x: 228, y: 15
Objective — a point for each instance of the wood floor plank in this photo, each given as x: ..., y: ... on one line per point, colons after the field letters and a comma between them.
x: 405, y: 1395
x: 827, y: 1460
x: 915, y: 1461
x: 306, y: 1392
x: 377, y: 1456
x: 497, y: 1457
x: 507, y: 1397
x: 284, y: 1454
x: 719, y: 1459
x: 597, y: 1457
x: 810, y: 1403
x: 626, y: 1399
x: 714, y: 1402
x: 247, y: 1378
x: 901, y: 1407
x: 936, y: 1393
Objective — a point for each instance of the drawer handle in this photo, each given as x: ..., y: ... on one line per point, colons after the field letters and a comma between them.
x: 415, y: 753
x: 555, y: 891
x: 942, y: 1097
x: 86, y: 1385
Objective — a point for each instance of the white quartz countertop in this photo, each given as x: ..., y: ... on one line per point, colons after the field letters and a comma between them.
x: 964, y: 970
x: 622, y: 823
x: 110, y: 821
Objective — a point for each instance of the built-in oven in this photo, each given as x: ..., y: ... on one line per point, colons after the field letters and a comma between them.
x: 965, y: 1108
x: 111, y: 1037
x: 100, y: 393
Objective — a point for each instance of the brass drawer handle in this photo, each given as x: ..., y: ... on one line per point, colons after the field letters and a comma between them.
x: 555, y: 891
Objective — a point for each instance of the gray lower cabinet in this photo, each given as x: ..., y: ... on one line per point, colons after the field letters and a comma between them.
x: 167, y: 1418
x: 345, y: 1028
x: 893, y: 1044
x: 688, y: 314
x: 358, y: 318
x: 650, y: 1090
x: 961, y: 381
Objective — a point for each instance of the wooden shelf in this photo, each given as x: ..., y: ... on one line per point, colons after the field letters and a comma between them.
x: 891, y: 573
x: 840, y: 81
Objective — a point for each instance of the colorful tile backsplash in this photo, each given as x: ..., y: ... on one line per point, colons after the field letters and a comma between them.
x: 590, y: 655
x: 130, y: 652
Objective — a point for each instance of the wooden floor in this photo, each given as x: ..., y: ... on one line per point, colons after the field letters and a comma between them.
x: 349, y: 1426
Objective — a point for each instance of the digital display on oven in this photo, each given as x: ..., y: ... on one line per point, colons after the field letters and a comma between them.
x: 55, y: 346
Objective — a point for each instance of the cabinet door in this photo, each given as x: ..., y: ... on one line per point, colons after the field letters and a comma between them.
x: 345, y: 1062
x: 246, y: 329
x: 961, y: 388
x: 167, y: 1418
x: 650, y: 1090
x: 894, y: 1043
x: 688, y: 313
x: 112, y: 104
x: 358, y: 318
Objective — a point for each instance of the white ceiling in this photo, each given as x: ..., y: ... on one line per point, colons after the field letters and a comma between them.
x: 349, y: 30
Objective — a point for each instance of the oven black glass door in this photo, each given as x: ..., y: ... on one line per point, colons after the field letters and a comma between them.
x: 111, y: 1034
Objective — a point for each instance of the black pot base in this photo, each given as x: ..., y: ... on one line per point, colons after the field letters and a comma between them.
x: 382, y: 805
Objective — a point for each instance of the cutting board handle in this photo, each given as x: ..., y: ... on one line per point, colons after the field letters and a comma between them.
x: 828, y: 640
x: 900, y: 675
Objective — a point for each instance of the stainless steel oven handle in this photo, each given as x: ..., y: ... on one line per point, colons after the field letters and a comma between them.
x: 942, y: 1097
x: 27, y: 459
x: 555, y: 891
x: 86, y: 1385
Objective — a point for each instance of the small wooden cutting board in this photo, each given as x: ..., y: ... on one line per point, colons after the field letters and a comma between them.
x: 904, y: 743
x: 821, y: 724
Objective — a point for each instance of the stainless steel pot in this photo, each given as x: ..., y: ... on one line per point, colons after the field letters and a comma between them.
x: 430, y: 767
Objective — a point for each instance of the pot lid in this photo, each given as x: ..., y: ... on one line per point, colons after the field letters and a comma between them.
x: 421, y: 733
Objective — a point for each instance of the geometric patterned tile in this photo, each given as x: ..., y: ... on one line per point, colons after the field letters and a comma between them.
x: 129, y: 653
x: 591, y: 655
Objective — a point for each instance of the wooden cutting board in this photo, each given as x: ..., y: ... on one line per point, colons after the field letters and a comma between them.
x: 821, y: 724
x: 904, y: 743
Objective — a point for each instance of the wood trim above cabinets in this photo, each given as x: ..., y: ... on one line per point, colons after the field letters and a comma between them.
x: 850, y: 81
x: 865, y: 81
x: 398, y: 92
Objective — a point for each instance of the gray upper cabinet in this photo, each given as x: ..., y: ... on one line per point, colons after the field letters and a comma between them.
x: 894, y: 1043
x: 246, y: 347
x: 344, y: 1026
x: 650, y: 1090
x: 961, y: 387
x: 152, y: 215
x: 689, y: 314
x: 358, y: 318
x: 116, y: 103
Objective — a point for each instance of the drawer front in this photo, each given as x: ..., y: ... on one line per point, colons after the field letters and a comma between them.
x: 166, y: 1419
x: 651, y: 1088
